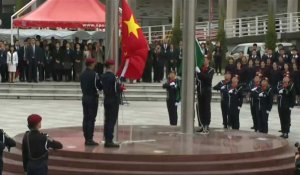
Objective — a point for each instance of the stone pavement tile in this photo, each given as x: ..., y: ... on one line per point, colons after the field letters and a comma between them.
x: 58, y: 113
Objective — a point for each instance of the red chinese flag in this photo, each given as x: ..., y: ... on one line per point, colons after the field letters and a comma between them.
x: 134, y: 46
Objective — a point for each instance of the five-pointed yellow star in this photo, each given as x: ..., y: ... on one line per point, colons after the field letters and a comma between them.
x: 132, y: 26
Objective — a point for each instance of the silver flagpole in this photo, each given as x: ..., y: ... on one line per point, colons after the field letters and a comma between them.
x: 112, y: 39
x: 188, y: 72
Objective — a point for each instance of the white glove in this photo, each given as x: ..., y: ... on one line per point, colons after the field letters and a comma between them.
x: 239, y: 107
x: 177, y: 104
x: 197, y: 69
x: 231, y: 91
x: 291, y: 108
x: 268, y: 112
x: 223, y: 87
x: 261, y: 94
x: 172, y: 84
x: 281, y: 91
x: 254, y: 89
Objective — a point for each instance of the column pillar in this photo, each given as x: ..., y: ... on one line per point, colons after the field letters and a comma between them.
x: 176, y: 8
x: 272, y: 6
x: 221, y: 7
x: 132, y: 4
x: 112, y: 31
x: 188, y: 71
x: 231, y: 12
x: 292, y: 6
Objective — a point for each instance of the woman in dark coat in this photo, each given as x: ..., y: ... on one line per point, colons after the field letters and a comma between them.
x: 78, y: 58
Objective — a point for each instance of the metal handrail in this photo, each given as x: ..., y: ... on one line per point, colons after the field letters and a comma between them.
x: 239, y: 27
x: 17, y: 13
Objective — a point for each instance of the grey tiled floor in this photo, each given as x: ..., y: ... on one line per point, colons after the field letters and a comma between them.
x: 13, y: 114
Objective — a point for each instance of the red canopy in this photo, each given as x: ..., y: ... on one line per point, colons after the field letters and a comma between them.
x: 84, y: 14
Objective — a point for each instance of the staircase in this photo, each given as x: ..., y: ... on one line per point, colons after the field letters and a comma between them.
x: 272, y: 156
x: 72, y: 91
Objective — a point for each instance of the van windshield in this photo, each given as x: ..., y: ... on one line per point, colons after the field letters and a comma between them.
x: 238, y: 49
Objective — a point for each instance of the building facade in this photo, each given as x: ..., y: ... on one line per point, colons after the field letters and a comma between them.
x: 158, y: 12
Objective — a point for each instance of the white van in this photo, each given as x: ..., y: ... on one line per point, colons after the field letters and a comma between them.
x: 248, y: 46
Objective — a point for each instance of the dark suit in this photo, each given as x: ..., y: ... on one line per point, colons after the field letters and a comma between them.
x: 165, y: 49
x: 48, y: 62
x: 57, y: 64
x: 78, y: 59
x: 112, y: 94
x: 67, y: 61
x: 235, y: 101
x: 204, y: 84
x: 22, y: 65
x: 41, y: 64
x: 33, y: 54
x: 3, y: 66
x: 5, y: 142
x: 286, y: 101
x: 172, y: 57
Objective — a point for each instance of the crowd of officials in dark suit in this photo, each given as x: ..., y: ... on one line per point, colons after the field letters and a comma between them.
x: 40, y: 60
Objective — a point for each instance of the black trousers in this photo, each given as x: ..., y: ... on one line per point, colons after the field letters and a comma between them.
x: 262, y: 121
x: 68, y: 74
x: 111, y: 111
x: 285, y: 119
x: 158, y: 72
x: 1, y: 164
x: 204, y: 100
x: 4, y: 72
x: 57, y: 74
x: 41, y: 72
x: 37, y: 167
x: 218, y: 64
x: 48, y: 70
x: 99, y: 68
x: 90, y: 110
x: 22, y: 70
x: 32, y: 71
x: 234, y: 117
x: 172, y: 110
x: 224, y: 108
x: 253, y: 114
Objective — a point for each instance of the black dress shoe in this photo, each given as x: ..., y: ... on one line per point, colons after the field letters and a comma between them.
x: 285, y: 135
x: 279, y: 131
x: 252, y: 127
x: 91, y: 143
x: 111, y: 145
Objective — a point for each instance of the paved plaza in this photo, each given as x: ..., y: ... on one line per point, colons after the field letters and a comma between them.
x: 58, y: 113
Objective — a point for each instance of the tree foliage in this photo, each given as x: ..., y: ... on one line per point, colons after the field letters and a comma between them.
x: 221, y: 35
x: 20, y: 4
x: 176, y: 32
x: 271, y: 37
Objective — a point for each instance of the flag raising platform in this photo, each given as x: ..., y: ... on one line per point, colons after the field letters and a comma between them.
x: 164, y: 150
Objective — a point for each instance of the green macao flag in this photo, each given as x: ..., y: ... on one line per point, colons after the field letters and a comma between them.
x: 199, y: 58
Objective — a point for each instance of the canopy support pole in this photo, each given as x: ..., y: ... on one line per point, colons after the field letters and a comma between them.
x: 17, y: 13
